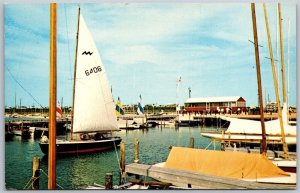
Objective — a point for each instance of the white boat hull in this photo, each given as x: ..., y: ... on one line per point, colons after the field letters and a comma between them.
x: 249, y: 137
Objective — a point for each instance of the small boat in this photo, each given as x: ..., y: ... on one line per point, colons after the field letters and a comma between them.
x: 130, y: 125
x: 94, y: 118
x: 250, y: 132
x: 286, y: 165
x: 17, y: 132
x: 228, y: 165
x: 18, y: 129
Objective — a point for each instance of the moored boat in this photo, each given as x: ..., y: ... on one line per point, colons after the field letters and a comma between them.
x: 93, y: 106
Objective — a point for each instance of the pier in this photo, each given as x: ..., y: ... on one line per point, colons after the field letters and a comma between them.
x: 38, y: 126
x: 196, y: 180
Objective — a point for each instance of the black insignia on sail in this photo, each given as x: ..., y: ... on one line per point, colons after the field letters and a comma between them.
x: 87, y: 53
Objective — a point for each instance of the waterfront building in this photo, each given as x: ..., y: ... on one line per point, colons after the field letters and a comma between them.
x: 271, y: 107
x: 233, y: 104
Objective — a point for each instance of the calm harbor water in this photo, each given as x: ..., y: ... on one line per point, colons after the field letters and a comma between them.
x: 79, y: 171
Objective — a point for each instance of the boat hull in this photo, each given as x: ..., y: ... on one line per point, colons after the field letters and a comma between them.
x: 254, y: 140
x: 82, y: 147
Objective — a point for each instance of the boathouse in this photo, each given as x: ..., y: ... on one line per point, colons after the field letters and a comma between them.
x: 233, y: 104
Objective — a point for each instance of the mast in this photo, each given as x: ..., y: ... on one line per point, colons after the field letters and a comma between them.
x: 275, y: 84
x: 288, y: 81
x: 20, y: 106
x: 15, y: 102
x: 262, y: 118
x: 282, y: 53
x: 178, y: 81
x: 52, y: 106
x: 75, y: 67
x: 277, y: 50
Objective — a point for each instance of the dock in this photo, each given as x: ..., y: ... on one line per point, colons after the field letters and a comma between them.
x: 39, y: 125
x: 196, y: 180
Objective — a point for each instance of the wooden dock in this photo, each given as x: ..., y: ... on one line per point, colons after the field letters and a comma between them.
x: 196, y: 180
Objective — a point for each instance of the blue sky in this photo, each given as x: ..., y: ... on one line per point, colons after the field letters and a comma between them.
x: 145, y: 47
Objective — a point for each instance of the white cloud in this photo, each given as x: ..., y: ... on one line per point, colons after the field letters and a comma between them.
x: 205, y: 43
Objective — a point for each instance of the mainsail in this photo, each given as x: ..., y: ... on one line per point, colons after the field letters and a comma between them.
x: 94, y: 109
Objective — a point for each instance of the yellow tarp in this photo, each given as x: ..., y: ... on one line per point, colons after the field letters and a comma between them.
x: 220, y: 163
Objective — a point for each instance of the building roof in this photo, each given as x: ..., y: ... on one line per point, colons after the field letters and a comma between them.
x: 213, y: 99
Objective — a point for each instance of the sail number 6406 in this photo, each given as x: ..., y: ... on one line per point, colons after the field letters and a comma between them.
x: 93, y: 70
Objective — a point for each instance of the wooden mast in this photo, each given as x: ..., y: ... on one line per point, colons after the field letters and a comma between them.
x: 288, y: 79
x: 75, y: 67
x: 52, y: 106
x: 285, y: 149
x: 281, y: 53
x: 282, y: 56
x: 262, y: 118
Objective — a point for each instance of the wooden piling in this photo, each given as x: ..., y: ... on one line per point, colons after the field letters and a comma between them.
x: 136, y: 150
x: 222, y: 146
x: 35, y: 173
x: 136, y: 154
x: 122, y: 161
x: 192, y: 142
x: 108, y: 181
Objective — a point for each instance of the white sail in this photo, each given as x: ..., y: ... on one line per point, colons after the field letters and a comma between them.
x: 244, y: 126
x: 94, y: 109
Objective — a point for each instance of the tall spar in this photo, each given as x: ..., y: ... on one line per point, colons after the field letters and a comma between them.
x: 52, y: 106
x: 75, y: 67
x: 284, y: 93
x: 285, y: 149
x: 262, y: 119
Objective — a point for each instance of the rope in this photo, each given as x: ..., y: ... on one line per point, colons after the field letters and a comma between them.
x: 25, y: 187
x: 33, y: 179
x: 208, y: 145
x: 48, y: 177
x: 117, y: 157
x: 23, y: 87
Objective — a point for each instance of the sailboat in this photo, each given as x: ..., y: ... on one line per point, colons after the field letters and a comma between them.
x: 276, y: 131
x: 225, y: 164
x: 249, y: 131
x: 93, y: 114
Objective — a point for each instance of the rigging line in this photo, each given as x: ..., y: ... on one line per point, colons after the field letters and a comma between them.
x: 28, y: 183
x: 68, y: 41
x: 48, y: 177
x: 32, y: 180
x: 208, y: 145
x: 23, y: 87
x: 117, y: 155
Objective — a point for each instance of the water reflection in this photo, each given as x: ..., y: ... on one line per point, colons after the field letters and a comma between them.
x: 79, y: 171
